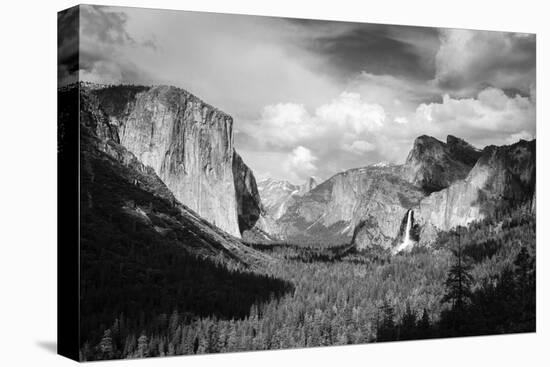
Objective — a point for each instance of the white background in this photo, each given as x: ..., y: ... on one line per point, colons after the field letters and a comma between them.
x: 28, y: 182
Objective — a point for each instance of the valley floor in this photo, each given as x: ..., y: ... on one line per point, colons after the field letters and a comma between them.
x: 484, y: 286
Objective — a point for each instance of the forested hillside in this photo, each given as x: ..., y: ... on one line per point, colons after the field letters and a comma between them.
x: 477, y: 280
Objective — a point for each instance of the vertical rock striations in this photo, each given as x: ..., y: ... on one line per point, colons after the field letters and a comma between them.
x: 187, y: 142
x: 120, y: 192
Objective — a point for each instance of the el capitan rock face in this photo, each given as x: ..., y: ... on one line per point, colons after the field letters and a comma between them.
x: 189, y: 144
x: 118, y: 189
x: 434, y: 165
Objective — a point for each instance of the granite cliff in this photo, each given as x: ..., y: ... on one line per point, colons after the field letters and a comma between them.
x: 374, y: 198
x: 434, y: 165
x: 117, y: 189
x: 189, y: 144
x: 442, y: 185
x: 503, y: 177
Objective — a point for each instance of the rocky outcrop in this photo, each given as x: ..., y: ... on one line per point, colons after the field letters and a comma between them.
x: 434, y: 165
x: 375, y: 198
x: 189, y: 144
x: 249, y: 204
x: 369, y: 205
x: 503, y: 177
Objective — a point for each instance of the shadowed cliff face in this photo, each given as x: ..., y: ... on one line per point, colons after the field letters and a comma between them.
x: 189, y: 144
x: 249, y: 204
x: 434, y: 165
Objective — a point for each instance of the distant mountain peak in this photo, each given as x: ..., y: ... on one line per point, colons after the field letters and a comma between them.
x: 310, y: 183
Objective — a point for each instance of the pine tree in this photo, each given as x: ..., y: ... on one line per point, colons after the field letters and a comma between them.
x: 424, y: 326
x: 142, y: 347
x: 105, y: 346
x: 386, y: 328
x: 196, y: 345
x: 408, y: 324
x: 459, y: 281
x: 526, y: 285
x: 232, y: 339
x: 458, y: 292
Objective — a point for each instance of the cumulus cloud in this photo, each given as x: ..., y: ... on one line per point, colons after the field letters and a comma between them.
x: 315, y: 97
x: 349, y: 111
x: 285, y: 124
x: 359, y: 147
x: 300, y: 163
x: 468, y: 60
x: 490, y: 118
x: 350, y: 132
x: 346, y: 124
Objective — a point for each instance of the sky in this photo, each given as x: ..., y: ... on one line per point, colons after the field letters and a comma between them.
x: 313, y: 97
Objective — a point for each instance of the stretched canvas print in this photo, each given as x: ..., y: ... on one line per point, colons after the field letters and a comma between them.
x: 237, y: 183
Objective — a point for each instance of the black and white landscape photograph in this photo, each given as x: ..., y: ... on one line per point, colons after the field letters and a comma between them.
x: 258, y: 183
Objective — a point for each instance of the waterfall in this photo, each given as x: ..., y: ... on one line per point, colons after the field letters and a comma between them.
x: 407, y: 242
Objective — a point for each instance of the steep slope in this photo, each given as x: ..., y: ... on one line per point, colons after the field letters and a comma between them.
x: 434, y: 165
x: 137, y: 197
x: 189, y: 144
x: 503, y: 178
x: 142, y: 254
x: 372, y: 195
